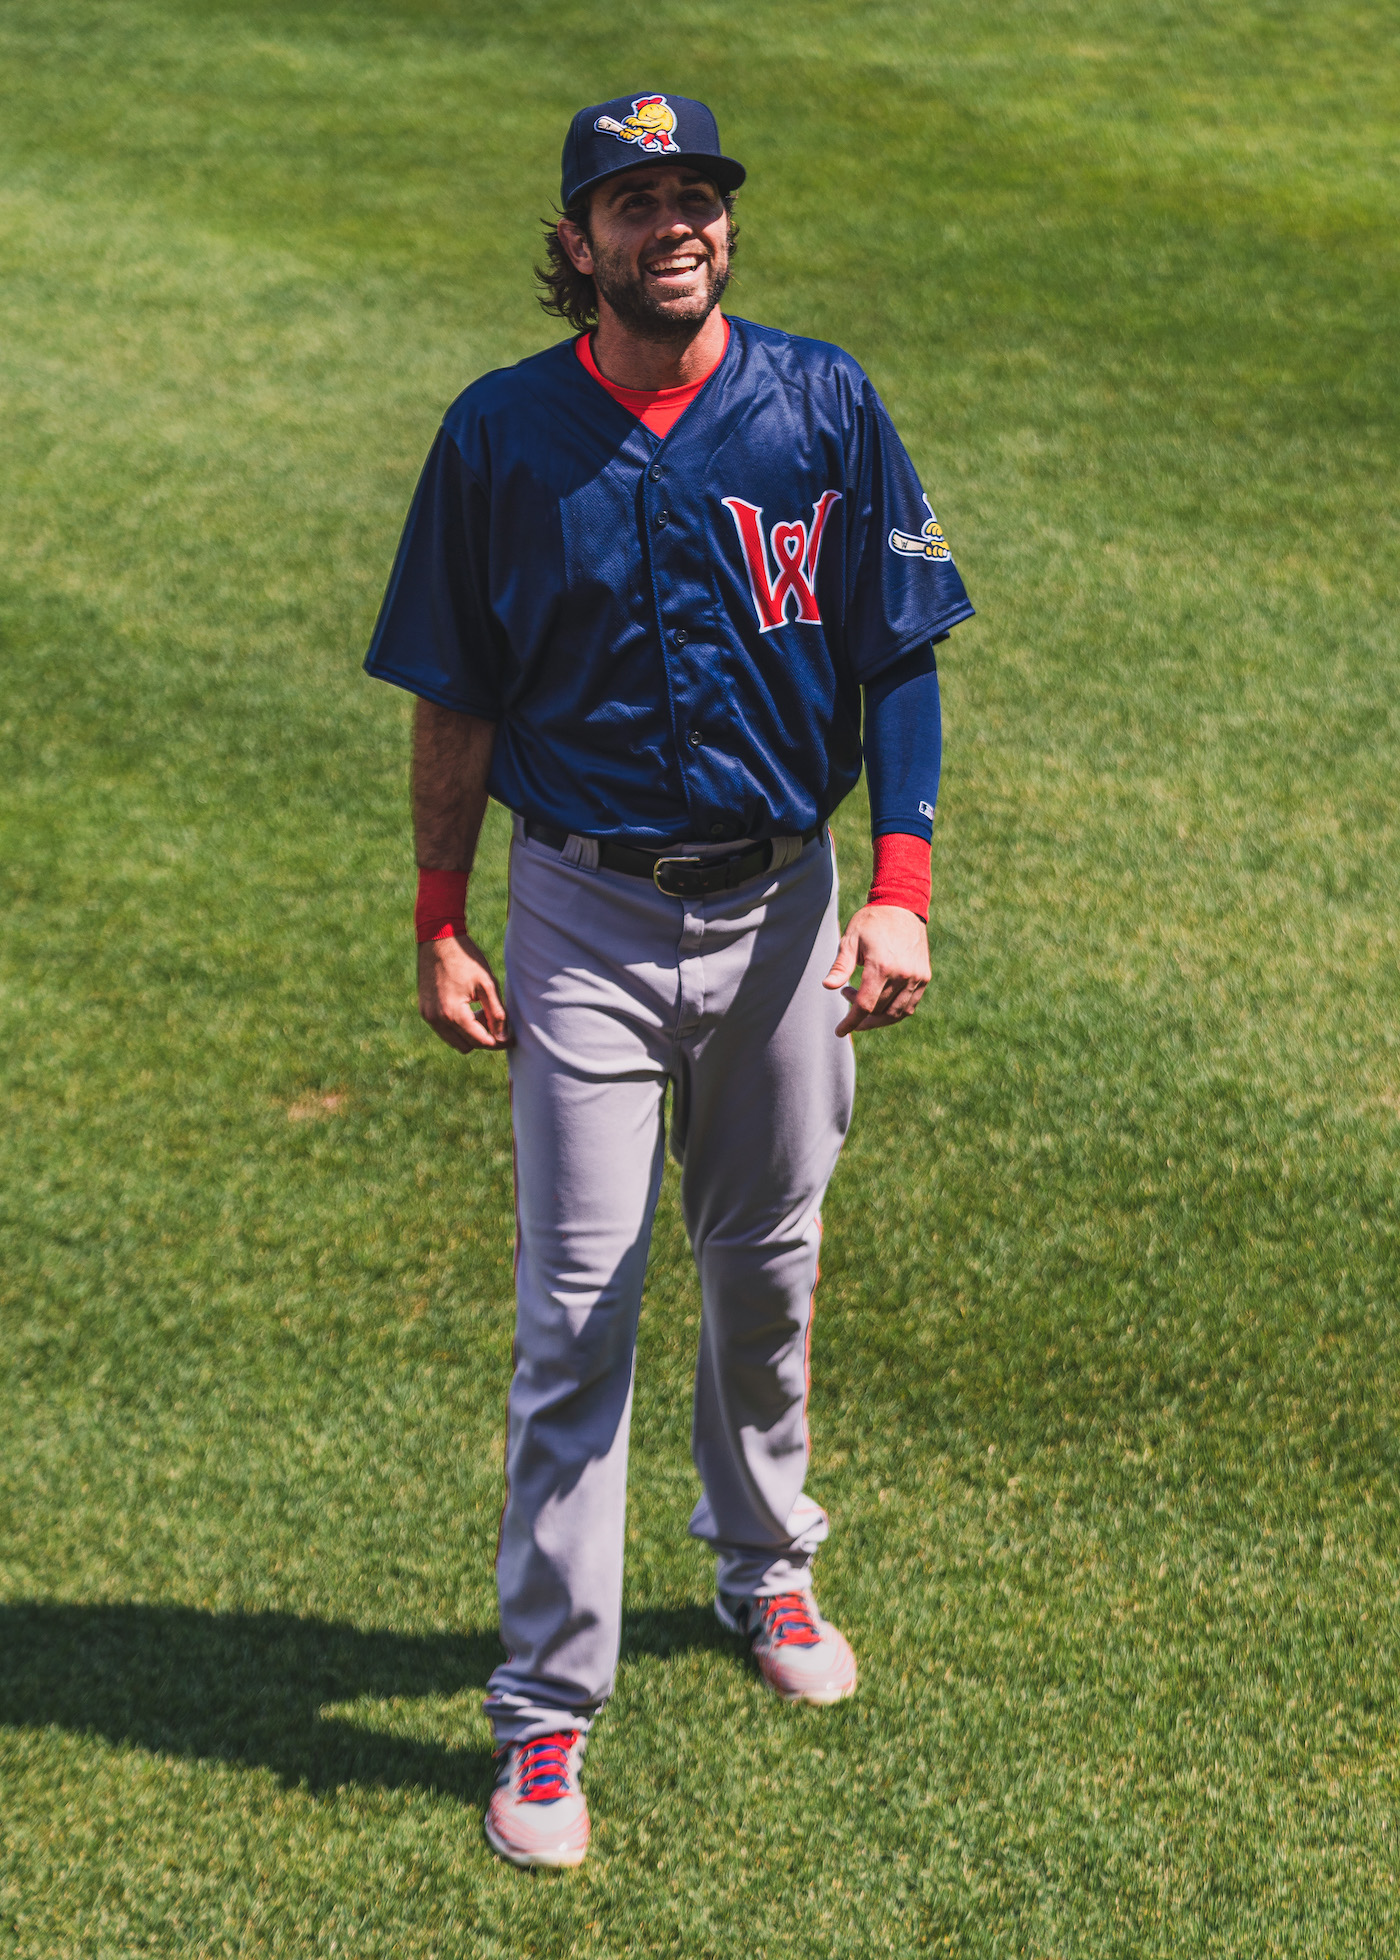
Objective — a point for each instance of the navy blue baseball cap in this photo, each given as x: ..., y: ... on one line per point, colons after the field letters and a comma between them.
x: 615, y: 136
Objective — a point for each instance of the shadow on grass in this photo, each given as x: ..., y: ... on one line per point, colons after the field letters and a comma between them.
x: 250, y: 1688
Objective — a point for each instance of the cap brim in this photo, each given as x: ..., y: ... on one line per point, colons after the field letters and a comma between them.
x: 722, y: 171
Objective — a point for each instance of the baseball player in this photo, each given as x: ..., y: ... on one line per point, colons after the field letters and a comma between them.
x: 661, y: 590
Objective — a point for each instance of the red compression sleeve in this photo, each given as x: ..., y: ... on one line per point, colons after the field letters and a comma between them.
x: 903, y: 875
x: 441, y: 910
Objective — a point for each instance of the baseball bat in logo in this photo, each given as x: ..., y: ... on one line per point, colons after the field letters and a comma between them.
x: 795, y: 552
x: 649, y: 126
x: 928, y: 543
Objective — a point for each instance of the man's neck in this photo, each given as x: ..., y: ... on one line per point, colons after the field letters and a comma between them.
x: 625, y: 358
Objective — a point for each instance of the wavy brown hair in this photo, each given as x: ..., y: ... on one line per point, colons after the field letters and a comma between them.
x: 570, y: 294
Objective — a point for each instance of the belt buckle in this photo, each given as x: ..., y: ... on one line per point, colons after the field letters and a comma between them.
x: 659, y: 866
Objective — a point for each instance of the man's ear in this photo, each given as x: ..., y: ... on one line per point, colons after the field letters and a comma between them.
x: 576, y: 246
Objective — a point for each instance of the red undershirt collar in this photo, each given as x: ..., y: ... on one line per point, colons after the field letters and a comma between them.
x: 658, y: 409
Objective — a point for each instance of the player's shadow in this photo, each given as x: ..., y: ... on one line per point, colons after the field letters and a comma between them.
x: 667, y: 1630
x: 268, y: 1689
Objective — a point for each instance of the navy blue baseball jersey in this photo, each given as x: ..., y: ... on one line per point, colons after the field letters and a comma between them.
x: 671, y: 635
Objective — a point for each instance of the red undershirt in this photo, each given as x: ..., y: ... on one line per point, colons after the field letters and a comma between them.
x: 902, y: 871
x: 657, y: 409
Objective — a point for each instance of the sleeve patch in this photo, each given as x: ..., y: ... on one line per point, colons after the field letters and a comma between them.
x: 927, y: 543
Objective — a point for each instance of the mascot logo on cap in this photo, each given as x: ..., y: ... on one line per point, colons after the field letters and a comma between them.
x: 649, y: 126
x: 929, y: 543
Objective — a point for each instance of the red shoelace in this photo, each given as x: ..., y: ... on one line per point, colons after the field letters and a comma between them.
x: 544, y: 1767
x: 787, y: 1618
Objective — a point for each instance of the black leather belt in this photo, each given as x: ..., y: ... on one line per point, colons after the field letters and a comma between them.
x: 674, y: 872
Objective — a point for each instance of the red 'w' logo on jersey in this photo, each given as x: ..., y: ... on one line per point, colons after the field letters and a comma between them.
x: 795, y: 551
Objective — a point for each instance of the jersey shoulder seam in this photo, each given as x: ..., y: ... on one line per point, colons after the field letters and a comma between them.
x: 800, y: 343
x: 489, y: 388
x: 455, y: 440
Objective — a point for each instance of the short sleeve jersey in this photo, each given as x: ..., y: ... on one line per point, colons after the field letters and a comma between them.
x: 671, y: 635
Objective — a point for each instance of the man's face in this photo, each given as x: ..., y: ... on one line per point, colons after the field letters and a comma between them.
x: 658, y: 250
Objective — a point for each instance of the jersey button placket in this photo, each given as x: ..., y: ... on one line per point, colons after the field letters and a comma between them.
x: 678, y: 636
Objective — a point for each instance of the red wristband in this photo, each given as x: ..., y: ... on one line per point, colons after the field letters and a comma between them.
x: 903, y: 873
x: 441, y: 910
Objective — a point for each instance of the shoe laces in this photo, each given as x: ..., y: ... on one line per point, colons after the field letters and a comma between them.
x: 543, y: 1774
x: 788, y: 1621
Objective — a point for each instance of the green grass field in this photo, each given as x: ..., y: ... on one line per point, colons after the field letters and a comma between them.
x: 1107, y: 1360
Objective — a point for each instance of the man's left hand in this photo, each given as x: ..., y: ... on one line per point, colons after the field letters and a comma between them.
x: 892, y: 946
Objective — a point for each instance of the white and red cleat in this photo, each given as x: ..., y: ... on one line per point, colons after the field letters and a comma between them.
x: 800, y: 1655
x: 538, y: 1815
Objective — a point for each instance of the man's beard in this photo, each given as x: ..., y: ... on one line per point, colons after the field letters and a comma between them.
x: 643, y: 313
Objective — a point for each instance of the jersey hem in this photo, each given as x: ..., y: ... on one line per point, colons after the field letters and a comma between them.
x: 644, y: 840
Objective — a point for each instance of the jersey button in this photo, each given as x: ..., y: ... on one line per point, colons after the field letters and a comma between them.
x: 655, y: 472
x: 695, y: 738
x: 719, y: 831
x: 680, y: 636
x: 662, y: 518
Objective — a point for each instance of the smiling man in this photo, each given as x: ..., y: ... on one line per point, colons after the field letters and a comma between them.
x: 655, y: 584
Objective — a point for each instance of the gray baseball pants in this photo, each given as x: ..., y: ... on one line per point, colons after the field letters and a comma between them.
x: 614, y: 991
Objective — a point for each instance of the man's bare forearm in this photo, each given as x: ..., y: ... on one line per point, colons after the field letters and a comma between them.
x: 451, y: 763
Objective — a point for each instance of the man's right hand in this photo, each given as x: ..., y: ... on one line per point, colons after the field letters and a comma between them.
x: 454, y: 981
